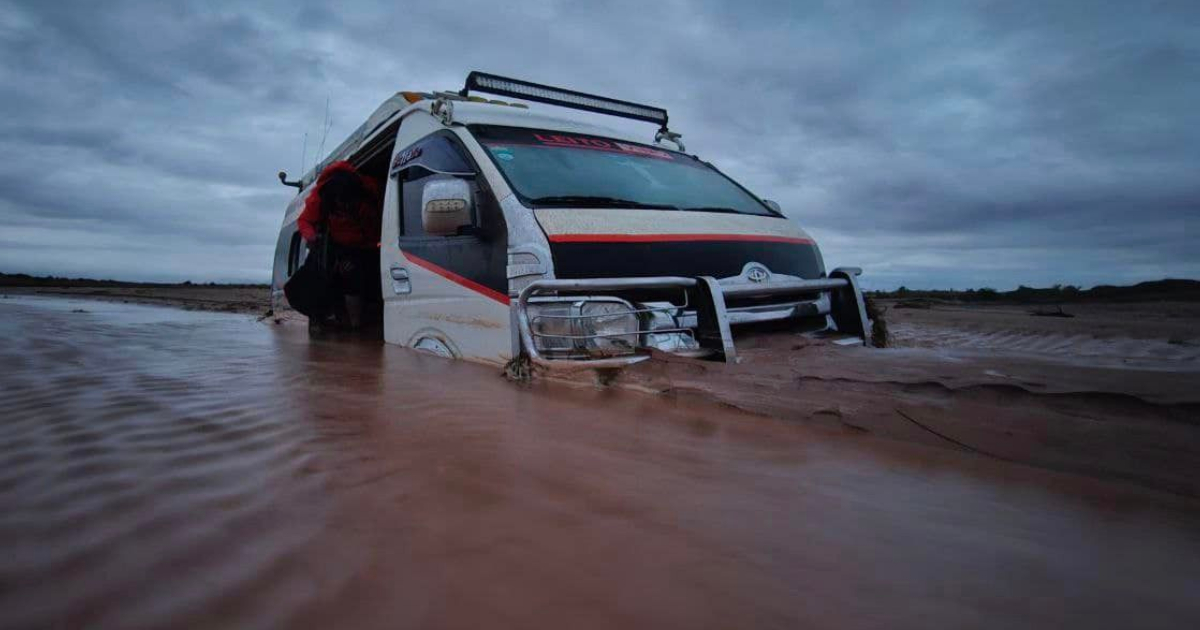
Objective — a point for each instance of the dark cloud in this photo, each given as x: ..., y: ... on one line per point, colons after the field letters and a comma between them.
x: 935, y: 144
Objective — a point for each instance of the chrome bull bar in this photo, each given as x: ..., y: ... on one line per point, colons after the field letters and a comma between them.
x: 848, y: 309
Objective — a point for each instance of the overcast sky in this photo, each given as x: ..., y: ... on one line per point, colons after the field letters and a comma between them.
x: 963, y: 144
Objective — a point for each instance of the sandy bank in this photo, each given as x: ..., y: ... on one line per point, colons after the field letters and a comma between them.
x: 252, y: 300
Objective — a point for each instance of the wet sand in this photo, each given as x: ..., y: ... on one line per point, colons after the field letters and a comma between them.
x: 1166, y: 332
x: 163, y: 468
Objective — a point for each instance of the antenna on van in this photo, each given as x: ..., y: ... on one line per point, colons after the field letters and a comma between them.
x: 304, y: 156
x: 326, y: 123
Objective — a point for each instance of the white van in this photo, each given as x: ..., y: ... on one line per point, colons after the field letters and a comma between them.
x: 513, y: 233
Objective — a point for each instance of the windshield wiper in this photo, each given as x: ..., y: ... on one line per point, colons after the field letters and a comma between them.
x: 592, y: 201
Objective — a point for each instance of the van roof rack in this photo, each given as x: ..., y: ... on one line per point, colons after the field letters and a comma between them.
x: 504, y: 86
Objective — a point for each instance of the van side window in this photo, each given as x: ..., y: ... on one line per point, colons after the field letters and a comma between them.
x: 436, y: 156
x: 296, y: 253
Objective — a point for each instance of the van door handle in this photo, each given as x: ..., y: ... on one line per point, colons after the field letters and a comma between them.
x: 400, y: 282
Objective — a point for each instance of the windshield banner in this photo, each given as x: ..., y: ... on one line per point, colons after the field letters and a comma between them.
x: 525, y: 137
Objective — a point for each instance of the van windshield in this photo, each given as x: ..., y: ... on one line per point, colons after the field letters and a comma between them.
x: 554, y: 169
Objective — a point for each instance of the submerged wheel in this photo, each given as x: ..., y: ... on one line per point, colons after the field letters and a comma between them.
x: 434, y: 346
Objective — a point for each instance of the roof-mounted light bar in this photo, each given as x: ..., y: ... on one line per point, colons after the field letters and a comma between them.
x: 492, y: 84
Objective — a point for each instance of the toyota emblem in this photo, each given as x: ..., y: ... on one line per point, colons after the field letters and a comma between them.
x: 757, y: 273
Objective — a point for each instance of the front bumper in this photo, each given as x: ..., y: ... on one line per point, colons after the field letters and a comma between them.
x: 705, y: 314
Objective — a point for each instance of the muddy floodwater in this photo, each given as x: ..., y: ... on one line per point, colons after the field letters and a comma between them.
x: 167, y: 468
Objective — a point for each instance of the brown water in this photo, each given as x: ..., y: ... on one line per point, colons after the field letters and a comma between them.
x: 169, y: 468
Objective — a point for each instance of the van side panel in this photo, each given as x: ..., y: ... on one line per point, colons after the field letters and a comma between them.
x: 283, y: 251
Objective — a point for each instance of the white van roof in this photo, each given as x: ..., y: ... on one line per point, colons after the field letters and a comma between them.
x: 465, y: 112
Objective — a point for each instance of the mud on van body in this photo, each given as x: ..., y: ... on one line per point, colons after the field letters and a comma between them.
x: 508, y: 232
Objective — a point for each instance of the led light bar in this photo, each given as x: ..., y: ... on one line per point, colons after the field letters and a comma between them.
x: 492, y: 84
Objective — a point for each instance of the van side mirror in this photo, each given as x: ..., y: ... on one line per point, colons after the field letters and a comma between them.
x: 284, y: 180
x: 445, y: 206
x: 774, y: 205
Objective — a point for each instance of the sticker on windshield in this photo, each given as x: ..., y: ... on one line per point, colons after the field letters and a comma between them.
x: 513, y: 145
x: 646, y: 151
x: 578, y: 142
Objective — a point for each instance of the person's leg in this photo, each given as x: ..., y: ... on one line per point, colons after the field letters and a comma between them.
x: 365, y: 275
x: 350, y: 271
x: 354, y: 309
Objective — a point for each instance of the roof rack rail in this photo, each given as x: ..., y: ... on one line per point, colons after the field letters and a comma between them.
x: 504, y: 86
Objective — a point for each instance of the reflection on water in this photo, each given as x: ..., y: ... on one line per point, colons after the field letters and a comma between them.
x: 163, y: 467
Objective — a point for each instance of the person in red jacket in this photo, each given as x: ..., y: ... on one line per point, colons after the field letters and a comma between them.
x: 346, y: 204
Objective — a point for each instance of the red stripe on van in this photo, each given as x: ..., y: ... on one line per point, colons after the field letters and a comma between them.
x: 457, y: 279
x: 668, y: 238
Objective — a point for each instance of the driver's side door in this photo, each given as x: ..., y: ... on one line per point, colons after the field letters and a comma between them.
x: 445, y: 294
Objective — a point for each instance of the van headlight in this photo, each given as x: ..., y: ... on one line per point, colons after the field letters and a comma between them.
x: 596, y: 327
x: 664, y: 332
